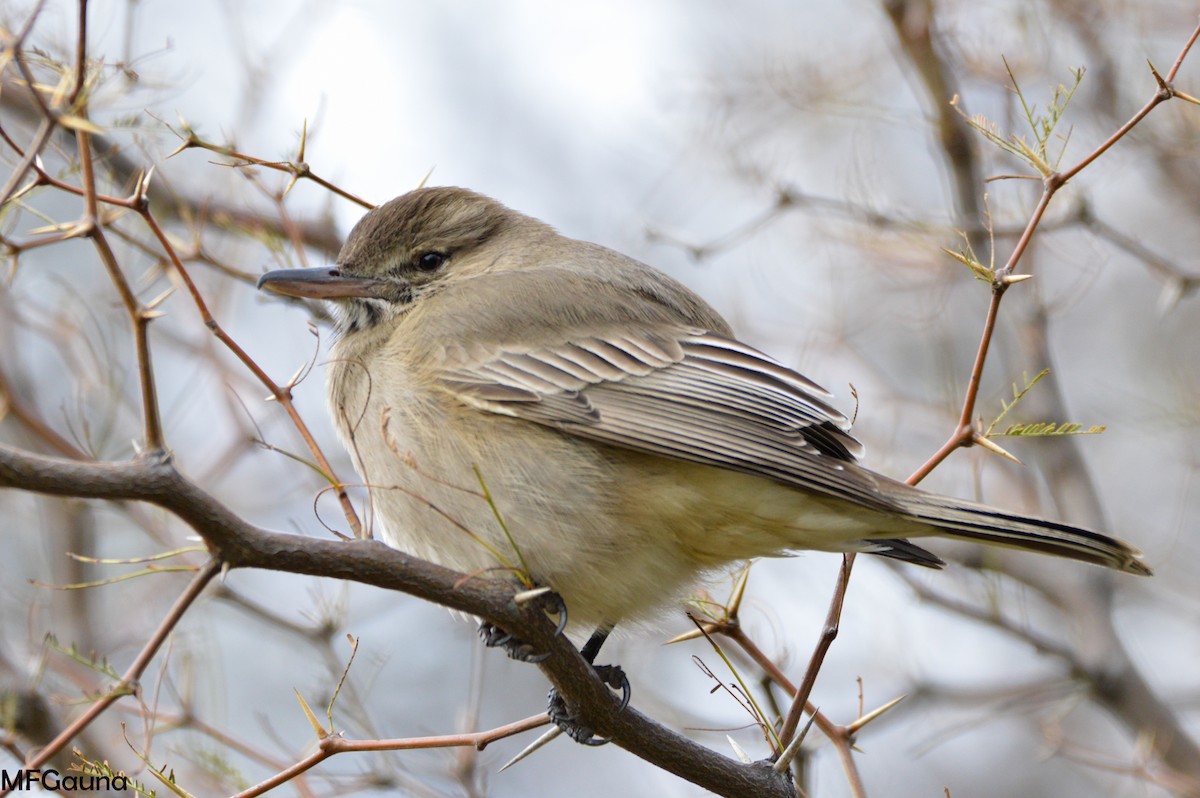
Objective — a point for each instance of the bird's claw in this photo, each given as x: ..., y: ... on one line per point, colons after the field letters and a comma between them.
x: 614, y: 676
x: 495, y: 637
x: 567, y: 718
x: 553, y: 604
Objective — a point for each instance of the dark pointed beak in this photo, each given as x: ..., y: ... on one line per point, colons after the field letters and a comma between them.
x: 322, y: 283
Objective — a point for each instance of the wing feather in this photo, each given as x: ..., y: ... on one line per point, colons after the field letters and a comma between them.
x: 679, y: 393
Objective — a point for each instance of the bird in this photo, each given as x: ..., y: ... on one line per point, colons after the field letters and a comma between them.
x: 521, y: 402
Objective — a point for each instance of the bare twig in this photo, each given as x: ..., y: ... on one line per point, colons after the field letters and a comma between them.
x: 828, y: 635
x: 963, y: 434
x: 281, y: 394
x: 129, y: 683
x: 335, y: 744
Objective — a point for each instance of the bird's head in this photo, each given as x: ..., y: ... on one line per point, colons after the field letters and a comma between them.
x: 402, y: 250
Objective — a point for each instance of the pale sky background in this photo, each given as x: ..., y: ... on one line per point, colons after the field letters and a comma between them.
x: 607, y: 120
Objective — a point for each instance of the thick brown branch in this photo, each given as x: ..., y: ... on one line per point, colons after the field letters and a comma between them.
x: 239, y: 544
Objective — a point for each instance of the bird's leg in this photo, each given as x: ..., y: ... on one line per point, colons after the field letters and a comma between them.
x: 495, y: 637
x: 566, y: 717
x: 612, y: 675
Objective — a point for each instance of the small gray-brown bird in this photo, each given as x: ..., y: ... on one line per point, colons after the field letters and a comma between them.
x: 516, y: 398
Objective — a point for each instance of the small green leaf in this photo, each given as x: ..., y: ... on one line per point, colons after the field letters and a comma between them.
x: 1048, y: 429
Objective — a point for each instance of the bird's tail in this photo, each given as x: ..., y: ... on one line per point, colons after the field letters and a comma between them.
x: 979, y: 523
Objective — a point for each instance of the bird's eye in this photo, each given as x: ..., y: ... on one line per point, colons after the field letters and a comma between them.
x: 430, y: 261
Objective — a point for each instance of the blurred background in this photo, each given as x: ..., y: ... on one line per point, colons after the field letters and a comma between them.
x: 797, y: 164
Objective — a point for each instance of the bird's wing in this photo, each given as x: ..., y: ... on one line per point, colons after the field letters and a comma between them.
x: 678, y: 392
x: 650, y: 369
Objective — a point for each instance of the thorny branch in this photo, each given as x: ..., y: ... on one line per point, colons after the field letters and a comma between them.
x: 234, y: 543
x: 965, y: 434
x: 92, y: 225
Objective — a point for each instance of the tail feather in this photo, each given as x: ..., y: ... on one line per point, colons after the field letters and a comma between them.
x: 904, y: 551
x: 982, y: 524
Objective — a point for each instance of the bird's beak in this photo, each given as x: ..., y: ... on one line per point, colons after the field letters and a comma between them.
x: 322, y: 283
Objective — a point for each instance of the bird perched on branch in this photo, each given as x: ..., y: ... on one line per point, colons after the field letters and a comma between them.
x: 521, y: 401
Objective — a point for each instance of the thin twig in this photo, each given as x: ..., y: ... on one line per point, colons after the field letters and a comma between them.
x: 828, y: 634
x: 80, y: 56
x: 838, y: 735
x: 139, y: 316
x: 963, y: 434
x: 129, y: 681
x: 14, y: 407
x: 296, y: 170
x: 334, y: 744
x: 282, y: 395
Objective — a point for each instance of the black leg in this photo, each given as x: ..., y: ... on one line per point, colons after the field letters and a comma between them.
x: 592, y: 647
x: 566, y: 717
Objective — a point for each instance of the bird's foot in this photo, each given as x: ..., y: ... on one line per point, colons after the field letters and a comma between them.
x: 567, y: 717
x: 495, y: 637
